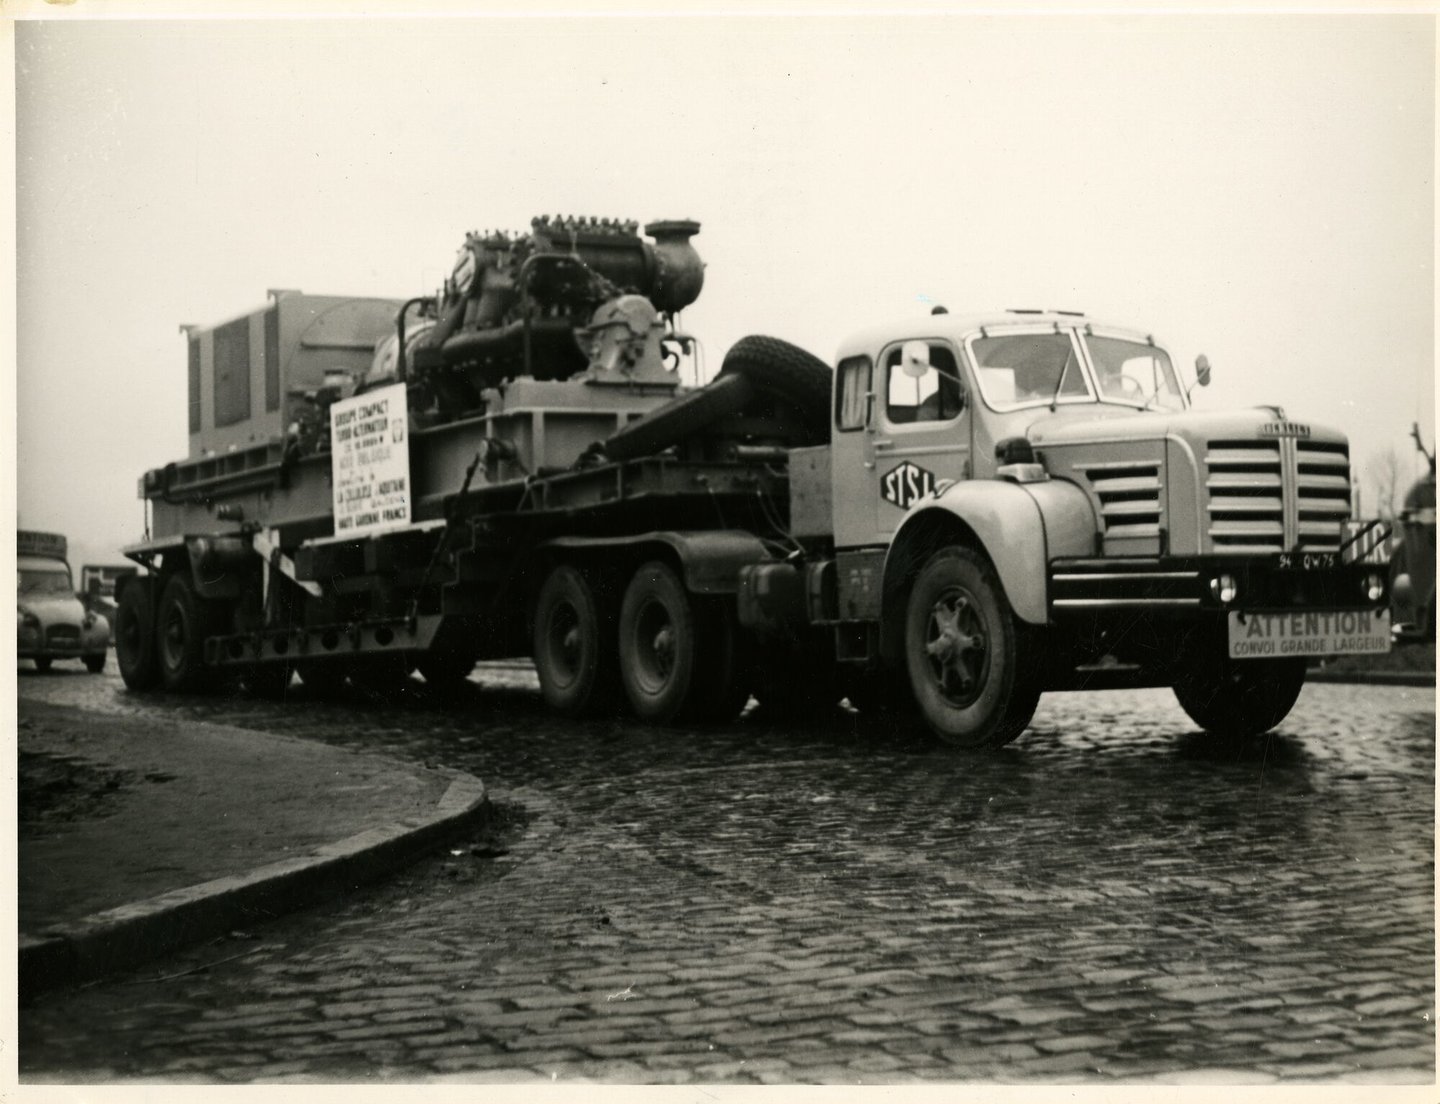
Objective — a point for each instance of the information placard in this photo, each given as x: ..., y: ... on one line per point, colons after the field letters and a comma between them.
x: 370, y: 462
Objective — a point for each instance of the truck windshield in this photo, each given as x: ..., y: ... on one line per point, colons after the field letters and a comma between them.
x: 1025, y: 369
x: 38, y: 582
x: 1035, y: 369
x: 1135, y: 374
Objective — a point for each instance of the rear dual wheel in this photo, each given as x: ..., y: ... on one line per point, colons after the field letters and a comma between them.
x: 183, y: 620
x: 679, y: 653
x: 573, y: 643
x: 135, y: 652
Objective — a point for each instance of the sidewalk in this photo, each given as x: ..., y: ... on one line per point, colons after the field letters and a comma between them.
x: 137, y: 836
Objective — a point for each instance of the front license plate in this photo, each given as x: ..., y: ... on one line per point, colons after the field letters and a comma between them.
x: 1307, y: 561
x: 1327, y: 633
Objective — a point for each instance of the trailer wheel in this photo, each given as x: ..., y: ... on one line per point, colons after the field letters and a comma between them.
x: 1238, y: 698
x: 135, y: 650
x: 658, y: 644
x: 972, y: 664
x: 183, y: 621
x: 572, y: 644
x: 95, y: 663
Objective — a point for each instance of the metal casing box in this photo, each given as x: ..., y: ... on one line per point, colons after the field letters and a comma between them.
x: 249, y: 376
x: 810, y: 494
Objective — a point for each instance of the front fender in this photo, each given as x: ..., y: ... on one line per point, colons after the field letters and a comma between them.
x: 1020, y: 527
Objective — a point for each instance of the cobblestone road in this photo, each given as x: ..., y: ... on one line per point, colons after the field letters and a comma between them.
x: 1111, y: 898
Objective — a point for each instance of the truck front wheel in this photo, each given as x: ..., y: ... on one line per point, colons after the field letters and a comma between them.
x: 973, y: 666
x: 1237, y: 698
x: 184, y: 620
x: 135, y: 650
x: 572, y: 644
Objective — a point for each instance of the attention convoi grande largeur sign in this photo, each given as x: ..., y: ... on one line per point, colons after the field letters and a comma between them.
x: 370, y: 462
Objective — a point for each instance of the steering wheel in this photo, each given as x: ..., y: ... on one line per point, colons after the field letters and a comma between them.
x: 1130, y: 388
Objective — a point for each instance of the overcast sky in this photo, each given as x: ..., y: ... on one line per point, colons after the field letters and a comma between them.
x: 1259, y: 189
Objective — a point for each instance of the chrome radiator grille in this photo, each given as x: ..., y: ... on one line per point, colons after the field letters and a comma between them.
x: 1275, y: 495
x: 1322, y: 493
x: 1129, y: 494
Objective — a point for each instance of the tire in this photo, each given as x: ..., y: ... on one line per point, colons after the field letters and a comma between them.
x: 659, y: 645
x: 573, y: 642
x: 787, y: 372
x: 183, y: 621
x: 973, y: 666
x: 43, y: 663
x: 754, y: 364
x: 1238, y: 698
x: 268, y: 680
x: 135, y: 650
x: 95, y: 663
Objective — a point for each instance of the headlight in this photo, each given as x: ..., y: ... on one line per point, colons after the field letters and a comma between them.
x: 1374, y: 586
x: 1224, y: 589
x: 28, y: 619
x: 89, y: 621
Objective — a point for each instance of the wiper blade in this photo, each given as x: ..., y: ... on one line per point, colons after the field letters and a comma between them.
x: 1055, y: 398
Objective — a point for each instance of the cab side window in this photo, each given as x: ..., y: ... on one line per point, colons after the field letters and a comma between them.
x: 852, y: 392
x: 923, y: 383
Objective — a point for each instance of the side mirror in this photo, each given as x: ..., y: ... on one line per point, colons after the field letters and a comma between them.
x: 1202, y: 370
x: 915, y: 359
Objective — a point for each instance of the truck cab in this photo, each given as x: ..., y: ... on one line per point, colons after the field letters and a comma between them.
x: 1085, y: 526
x: 50, y: 619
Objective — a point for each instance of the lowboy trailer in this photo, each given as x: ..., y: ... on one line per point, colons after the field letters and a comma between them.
x: 964, y: 513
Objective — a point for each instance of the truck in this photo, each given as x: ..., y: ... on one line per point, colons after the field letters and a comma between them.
x: 1412, y: 562
x: 963, y: 513
x: 51, y: 622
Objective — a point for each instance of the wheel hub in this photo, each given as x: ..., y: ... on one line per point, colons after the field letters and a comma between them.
x: 663, y: 649
x: 957, y: 647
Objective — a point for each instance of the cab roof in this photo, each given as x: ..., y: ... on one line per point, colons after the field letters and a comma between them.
x: 958, y: 327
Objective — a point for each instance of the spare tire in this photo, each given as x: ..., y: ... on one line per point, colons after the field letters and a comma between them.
x: 787, y: 372
x: 763, y: 365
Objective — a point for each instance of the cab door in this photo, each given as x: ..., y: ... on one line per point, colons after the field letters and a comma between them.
x: 911, y: 437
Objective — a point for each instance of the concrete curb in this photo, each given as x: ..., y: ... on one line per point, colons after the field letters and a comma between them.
x: 119, y: 938
x: 1373, y: 678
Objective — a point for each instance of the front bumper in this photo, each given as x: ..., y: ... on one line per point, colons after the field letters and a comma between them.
x: 1179, y: 587
x: 62, y: 641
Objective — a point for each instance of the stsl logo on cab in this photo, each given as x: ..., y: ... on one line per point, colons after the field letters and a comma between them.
x: 906, y: 484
